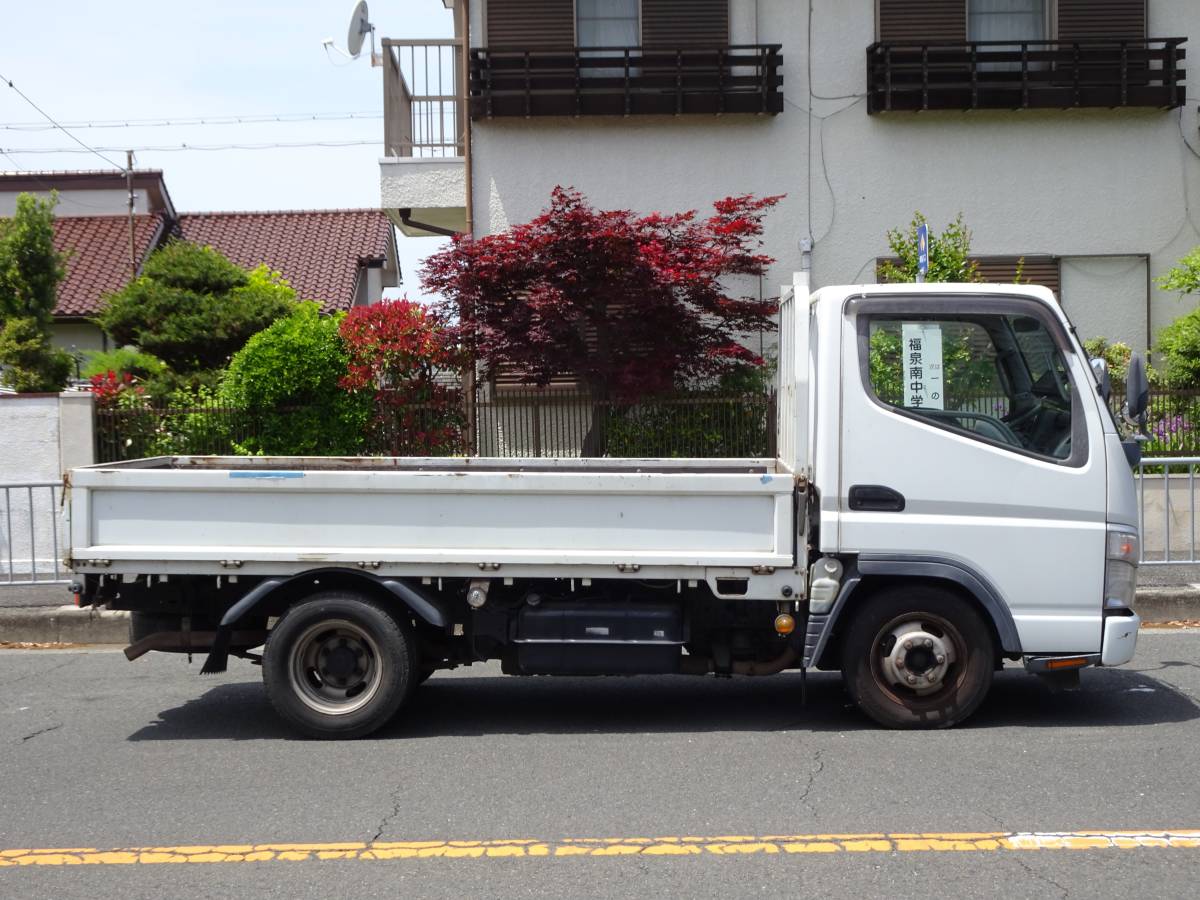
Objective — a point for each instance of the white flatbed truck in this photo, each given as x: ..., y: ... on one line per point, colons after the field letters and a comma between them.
x: 950, y: 492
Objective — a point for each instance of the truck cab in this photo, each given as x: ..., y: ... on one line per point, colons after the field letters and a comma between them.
x: 961, y: 448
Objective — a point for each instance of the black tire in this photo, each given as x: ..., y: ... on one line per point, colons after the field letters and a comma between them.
x: 339, y: 665
x: 918, y: 657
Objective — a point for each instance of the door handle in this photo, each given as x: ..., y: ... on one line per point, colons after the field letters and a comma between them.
x: 875, y: 498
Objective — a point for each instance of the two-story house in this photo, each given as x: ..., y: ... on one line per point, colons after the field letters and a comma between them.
x: 1060, y: 129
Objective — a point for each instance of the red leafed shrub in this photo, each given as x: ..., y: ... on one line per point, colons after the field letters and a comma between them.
x: 398, y: 349
x: 631, y: 305
x: 109, y: 388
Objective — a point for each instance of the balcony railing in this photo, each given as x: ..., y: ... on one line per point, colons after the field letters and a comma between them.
x: 626, y: 81
x: 1100, y: 73
x: 422, y: 108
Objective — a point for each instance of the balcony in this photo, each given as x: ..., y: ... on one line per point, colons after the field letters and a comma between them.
x: 422, y: 175
x: 1100, y: 73
x: 626, y: 81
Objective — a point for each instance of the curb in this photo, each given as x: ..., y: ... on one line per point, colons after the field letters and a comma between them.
x: 1167, y: 604
x: 69, y: 625
x: 64, y: 625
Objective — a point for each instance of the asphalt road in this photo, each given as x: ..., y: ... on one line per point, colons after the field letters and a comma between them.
x: 101, y: 753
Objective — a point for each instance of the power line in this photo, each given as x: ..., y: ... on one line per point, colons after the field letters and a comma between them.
x: 251, y: 119
x: 50, y: 119
x: 175, y: 148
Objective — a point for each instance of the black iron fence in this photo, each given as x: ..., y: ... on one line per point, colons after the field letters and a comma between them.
x: 512, y: 424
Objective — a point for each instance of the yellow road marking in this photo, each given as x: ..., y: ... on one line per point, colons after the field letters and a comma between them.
x: 724, y: 845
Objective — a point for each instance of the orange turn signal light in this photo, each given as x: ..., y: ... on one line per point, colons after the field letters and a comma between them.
x: 784, y: 624
x: 1074, y: 662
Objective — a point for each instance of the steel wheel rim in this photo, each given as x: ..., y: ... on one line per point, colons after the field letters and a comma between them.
x: 950, y: 673
x: 335, y: 667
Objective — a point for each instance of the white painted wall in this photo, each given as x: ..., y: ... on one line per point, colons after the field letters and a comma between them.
x: 41, y: 436
x: 1067, y: 183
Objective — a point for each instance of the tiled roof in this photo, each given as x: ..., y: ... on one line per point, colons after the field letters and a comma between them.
x: 97, y: 249
x: 318, y: 251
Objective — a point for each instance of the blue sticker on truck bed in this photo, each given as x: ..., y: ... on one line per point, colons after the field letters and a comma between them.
x: 266, y: 474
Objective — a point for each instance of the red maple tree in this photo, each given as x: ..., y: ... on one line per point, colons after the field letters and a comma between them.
x: 397, y: 349
x: 630, y: 305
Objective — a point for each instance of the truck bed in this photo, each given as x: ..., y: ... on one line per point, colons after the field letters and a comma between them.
x: 431, y: 516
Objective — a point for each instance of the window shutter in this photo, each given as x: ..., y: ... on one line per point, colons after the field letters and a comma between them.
x: 530, y: 24
x: 1117, y: 19
x: 1043, y: 270
x: 922, y: 21
x: 685, y: 23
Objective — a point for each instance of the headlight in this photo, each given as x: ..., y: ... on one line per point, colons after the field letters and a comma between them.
x: 1120, y: 569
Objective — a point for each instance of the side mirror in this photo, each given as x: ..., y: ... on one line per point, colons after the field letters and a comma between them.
x: 1100, y: 368
x: 1137, y: 391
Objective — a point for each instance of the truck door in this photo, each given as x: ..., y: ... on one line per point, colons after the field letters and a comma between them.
x: 966, y: 439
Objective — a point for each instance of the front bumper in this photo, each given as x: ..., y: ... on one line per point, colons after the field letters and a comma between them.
x: 1120, y: 638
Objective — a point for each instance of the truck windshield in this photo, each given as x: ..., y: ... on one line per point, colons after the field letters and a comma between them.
x: 998, y: 378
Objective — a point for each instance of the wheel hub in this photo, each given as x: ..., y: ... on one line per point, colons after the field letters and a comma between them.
x: 335, y: 667
x: 916, y: 658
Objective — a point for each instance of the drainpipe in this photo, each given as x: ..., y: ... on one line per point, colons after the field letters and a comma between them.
x: 464, y: 35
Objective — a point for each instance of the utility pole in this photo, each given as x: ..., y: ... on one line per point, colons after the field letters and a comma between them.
x: 129, y: 187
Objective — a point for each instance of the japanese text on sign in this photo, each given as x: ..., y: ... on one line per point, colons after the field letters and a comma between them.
x: 921, y: 354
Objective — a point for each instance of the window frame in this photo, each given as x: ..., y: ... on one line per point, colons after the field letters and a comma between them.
x: 865, y: 308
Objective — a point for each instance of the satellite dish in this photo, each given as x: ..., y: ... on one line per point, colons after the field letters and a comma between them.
x: 360, y: 27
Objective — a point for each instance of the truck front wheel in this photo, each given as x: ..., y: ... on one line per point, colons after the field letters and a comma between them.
x: 918, y: 657
x: 338, y: 665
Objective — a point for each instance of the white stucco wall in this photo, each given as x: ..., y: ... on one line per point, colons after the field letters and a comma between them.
x: 80, y: 336
x: 41, y: 436
x: 98, y: 202
x: 1071, y: 183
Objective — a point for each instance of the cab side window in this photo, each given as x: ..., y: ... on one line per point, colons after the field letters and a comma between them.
x: 1000, y: 379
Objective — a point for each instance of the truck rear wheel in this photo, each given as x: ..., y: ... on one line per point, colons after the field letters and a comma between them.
x: 338, y: 665
x: 918, y: 657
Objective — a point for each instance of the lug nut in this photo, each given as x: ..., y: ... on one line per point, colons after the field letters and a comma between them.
x: 899, y: 664
x: 912, y: 679
x: 908, y: 645
x: 931, y: 678
x: 941, y: 659
x: 928, y: 642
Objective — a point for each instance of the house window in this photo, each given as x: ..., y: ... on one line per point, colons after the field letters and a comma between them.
x: 607, y: 23
x: 1005, y: 20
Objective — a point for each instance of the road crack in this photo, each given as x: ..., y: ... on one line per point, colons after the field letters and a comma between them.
x: 62, y: 665
x: 1018, y: 856
x: 41, y: 731
x: 387, y: 819
x: 818, y: 766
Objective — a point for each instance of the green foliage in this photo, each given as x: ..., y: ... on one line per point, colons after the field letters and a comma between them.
x: 731, y: 417
x: 30, y: 267
x: 1184, y: 277
x: 194, y: 309
x: 142, y: 366
x: 1178, y: 351
x: 288, y: 376
x: 949, y: 253
x: 30, y: 271
x: 1115, y: 353
x: 30, y: 364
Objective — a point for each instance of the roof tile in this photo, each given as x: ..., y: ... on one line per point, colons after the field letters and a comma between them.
x: 97, y: 249
x: 318, y: 251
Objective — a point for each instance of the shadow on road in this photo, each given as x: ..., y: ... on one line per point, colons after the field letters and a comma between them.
x: 469, y: 706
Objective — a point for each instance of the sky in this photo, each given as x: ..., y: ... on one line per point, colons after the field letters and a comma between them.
x: 83, y: 61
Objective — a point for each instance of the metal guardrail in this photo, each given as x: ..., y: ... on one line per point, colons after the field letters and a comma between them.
x: 30, y: 523
x: 1166, y: 489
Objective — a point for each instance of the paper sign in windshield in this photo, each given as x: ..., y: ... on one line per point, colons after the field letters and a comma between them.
x: 922, y: 355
